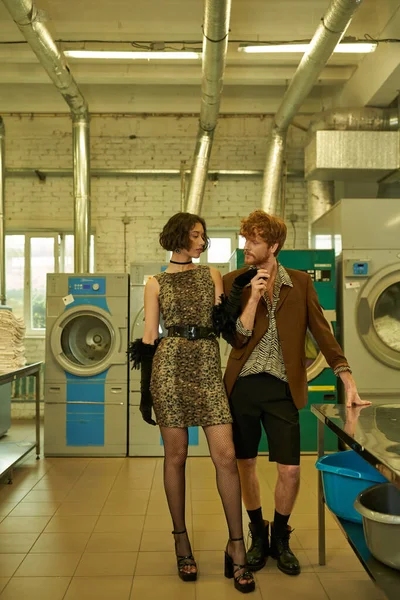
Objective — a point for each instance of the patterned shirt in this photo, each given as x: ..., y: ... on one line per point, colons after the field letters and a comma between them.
x: 267, y: 356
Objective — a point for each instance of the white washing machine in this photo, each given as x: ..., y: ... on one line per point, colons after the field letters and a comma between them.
x: 86, y: 375
x: 369, y: 289
x: 144, y: 439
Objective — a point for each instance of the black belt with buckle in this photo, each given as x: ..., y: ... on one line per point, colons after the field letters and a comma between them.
x: 191, y: 332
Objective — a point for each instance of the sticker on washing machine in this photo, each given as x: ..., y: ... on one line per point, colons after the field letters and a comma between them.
x: 352, y: 285
x: 68, y: 299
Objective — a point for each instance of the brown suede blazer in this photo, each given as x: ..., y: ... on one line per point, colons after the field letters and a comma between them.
x: 297, y: 309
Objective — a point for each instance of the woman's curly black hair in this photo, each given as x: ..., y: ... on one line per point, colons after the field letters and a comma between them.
x: 176, y: 233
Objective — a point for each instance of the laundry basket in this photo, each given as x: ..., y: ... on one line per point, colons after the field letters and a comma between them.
x: 344, y: 476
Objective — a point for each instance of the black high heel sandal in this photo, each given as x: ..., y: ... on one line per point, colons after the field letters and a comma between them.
x: 185, y: 561
x: 232, y: 571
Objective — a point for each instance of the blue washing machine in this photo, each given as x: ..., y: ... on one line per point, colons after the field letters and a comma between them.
x: 86, y: 367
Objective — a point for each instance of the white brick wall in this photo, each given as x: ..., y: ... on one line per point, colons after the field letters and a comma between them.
x: 42, y: 142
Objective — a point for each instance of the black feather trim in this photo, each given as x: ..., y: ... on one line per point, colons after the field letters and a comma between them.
x: 137, y: 350
x: 223, y: 320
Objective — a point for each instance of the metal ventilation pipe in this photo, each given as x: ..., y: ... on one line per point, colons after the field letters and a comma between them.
x: 29, y: 21
x: 2, y: 213
x: 321, y: 194
x: 215, y: 44
x: 332, y: 27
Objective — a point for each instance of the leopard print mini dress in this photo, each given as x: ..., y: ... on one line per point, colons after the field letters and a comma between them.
x: 186, y: 382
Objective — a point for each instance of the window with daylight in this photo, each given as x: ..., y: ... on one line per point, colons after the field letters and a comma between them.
x: 29, y: 257
x: 327, y: 242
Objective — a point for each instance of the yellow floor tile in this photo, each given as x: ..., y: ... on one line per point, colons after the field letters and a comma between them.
x: 8, y: 493
x: 48, y: 565
x: 6, y: 508
x: 216, y: 587
x: 210, y: 540
x: 338, y: 561
x: 133, y: 483
x: 341, y: 589
x: 163, y: 541
x: 205, y: 495
x: 210, y: 562
x: 281, y: 587
x: 116, y: 524
x: 165, y: 587
x: 162, y: 523
x: 52, y: 496
x: 9, y: 563
x: 58, y: 483
x: 107, y: 564
x: 209, y: 523
x: 123, y: 508
x: 129, y: 496
x: 207, y: 507
x: 99, y: 588
x: 95, y: 482
x: 159, y: 563
x: 127, y: 541
x: 61, y: 542
x: 79, y: 508
x: 204, y: 483
x: 334, y: 538
x: 3, y: 583
x: 35, y: 509
x: 23, y: 524
x: 36, y: 588
x: 87, y: 495
x: 17, y: 543
x: 310, y: 521
x: 71, y: 524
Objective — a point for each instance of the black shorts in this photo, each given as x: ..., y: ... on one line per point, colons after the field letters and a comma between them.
x: 265, y: 399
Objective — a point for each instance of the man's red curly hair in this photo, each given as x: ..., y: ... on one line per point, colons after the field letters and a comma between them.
x: 270, y: 228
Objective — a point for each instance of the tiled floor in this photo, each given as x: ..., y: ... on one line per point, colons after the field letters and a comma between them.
x: 99, y: 529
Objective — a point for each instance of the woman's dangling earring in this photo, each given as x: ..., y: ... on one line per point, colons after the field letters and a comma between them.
x: 177, y: 251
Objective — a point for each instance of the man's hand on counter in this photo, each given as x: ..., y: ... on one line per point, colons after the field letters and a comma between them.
x: 352, y: 397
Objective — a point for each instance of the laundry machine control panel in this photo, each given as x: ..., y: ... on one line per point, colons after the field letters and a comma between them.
x: 357, y: 268
x: 87, y: 286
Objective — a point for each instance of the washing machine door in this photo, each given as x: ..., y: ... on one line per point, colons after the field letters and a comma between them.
x: 378, y: 316
x: 315, y: 360
x: 84, y: 339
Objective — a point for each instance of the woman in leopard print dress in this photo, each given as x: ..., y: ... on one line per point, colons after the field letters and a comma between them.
x: 187, y: 388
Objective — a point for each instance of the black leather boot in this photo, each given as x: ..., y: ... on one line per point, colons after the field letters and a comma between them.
x: 280, y: 549
x: 258, y: 552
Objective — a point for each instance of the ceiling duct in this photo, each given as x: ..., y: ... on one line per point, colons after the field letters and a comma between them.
x: 331, y: 29
x: 215, y: 44
x: 30, y: 22
x: 346, y: 144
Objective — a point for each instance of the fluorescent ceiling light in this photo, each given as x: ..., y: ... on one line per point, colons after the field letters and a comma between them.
x: 345, y: 48
x: 133, y: 55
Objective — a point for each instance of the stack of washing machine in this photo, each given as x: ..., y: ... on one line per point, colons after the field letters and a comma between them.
x: 368, y: 289
x: 144, y: 439
x: 86, y: 369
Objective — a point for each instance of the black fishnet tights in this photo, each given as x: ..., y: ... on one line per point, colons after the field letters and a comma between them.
x: 219, y: 438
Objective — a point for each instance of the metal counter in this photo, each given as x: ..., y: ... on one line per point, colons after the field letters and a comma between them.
x: 374, y: 433
x: 12, y: 452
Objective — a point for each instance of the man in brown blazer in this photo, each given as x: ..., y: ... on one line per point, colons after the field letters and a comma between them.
x: 266, y: 379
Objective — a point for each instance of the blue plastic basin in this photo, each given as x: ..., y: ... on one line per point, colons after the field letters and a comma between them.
x: 344, y: 476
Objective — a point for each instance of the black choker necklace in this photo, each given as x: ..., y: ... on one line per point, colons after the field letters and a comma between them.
x: 175, y: 262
